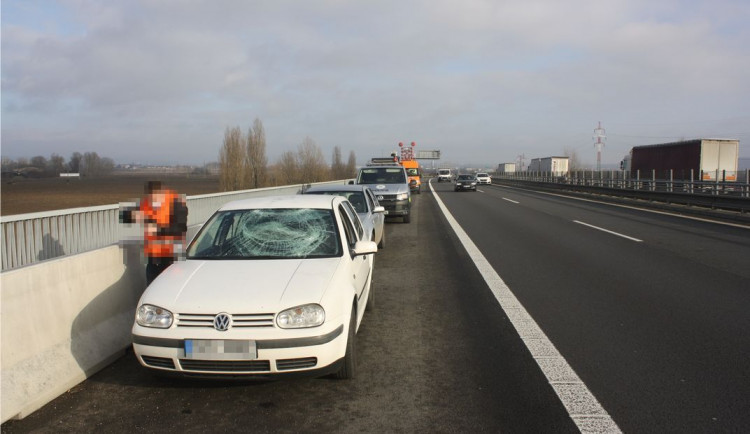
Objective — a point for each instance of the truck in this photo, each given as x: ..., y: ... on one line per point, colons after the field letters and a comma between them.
x: 698, y: 159
x: 557, y: 166
x: 387, y: 179
x: 505, y: 168
x: 445, y: 175
x: 413, y: 171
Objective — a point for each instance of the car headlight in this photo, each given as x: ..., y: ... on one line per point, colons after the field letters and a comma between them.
x: 153, y: 316
x: 402, y: 196
x: 308, y: 315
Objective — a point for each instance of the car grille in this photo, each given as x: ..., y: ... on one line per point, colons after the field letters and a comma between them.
x: 158, y: 362
x: 287, y: 364
x: 238, y: 320
x: 226, y: 365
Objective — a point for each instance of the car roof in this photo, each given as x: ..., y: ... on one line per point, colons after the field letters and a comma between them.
x: 336, y: 187
x: 291, y: 201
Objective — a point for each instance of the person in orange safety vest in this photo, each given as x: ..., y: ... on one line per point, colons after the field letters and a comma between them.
x: 164, y: 216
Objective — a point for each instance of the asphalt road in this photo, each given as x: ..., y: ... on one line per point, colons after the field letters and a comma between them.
x: 656, y: 325
x: 437, y: 354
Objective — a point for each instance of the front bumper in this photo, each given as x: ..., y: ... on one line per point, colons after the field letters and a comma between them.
x: 395, y: 207
x: 486, y: 181
x: 314, y: 354
x: 465, y: 187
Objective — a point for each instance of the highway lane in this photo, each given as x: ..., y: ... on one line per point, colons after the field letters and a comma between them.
x: 437, y: 354
x: 652, y: 315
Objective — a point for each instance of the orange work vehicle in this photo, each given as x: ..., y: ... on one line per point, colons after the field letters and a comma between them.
x: 411, y: 165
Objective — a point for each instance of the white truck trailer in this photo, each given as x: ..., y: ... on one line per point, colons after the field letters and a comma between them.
x: 698, y: 159
x: 557, y: 166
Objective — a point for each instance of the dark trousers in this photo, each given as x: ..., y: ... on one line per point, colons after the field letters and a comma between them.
x: 155, y: 266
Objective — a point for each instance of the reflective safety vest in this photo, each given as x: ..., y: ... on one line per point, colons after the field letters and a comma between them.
x: 165, y: 226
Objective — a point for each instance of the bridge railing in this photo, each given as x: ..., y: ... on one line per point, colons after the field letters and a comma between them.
x: 29, y: 238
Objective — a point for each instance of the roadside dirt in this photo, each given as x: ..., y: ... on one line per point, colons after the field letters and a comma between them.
x: 24, y: 195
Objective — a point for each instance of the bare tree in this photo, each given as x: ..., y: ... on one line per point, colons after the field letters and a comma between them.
x: 338, y: 169
x: 351, y: 166
x: 56, y: 164
x: 312, y: 164
x: 74, y: 164
x: 232, y: 160
x: 256, y: 162
x: 39, y: 162
x: 287, y: 170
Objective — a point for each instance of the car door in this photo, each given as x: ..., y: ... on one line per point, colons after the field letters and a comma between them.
x: 361, y: 265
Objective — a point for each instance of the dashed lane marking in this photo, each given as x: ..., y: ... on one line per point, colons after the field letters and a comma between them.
x: 608, y: 231
x: 583, y: 408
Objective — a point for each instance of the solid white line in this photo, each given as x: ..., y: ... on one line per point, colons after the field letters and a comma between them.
x: 510, y: 200
x: 608, y: 231
x: 582, y: 406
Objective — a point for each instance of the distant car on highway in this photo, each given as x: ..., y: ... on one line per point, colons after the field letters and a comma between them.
x: 445, y: 175
x: 269, y: 286
x: 465, y: 182
x: 483, y: 178
x: 370, y: 212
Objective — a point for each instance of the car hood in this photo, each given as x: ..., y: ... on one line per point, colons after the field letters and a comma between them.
x: 241, y: 286
x: 388, y: 188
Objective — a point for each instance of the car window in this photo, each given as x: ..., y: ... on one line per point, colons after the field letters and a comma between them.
x: 349, y: 231
x: 267, y: 234
x: 355, y: 219
x: 381, y: 175
x: 370, y: 200
x: 465, y: 177
x: 356, y: 198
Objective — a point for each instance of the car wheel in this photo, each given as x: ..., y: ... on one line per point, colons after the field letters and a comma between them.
x: 407, y: 218
x: 347, y: 368
x: 381, y: 245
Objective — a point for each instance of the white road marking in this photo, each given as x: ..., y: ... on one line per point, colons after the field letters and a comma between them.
x: 653, y: 211
x: 608, y: 231
x: 586, y: 412
x: 510, y: 200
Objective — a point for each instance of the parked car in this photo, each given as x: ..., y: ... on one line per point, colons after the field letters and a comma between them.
x: 484, y: 178
x: 445, y: 175
x: 465, y: 182
x: 369, y: 211
x: 391, y: 186
x: 270, y: 286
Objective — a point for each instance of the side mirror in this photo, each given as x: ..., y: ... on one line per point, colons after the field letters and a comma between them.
x: 378, y: 209
x: 364, y: 248
x: 351, y: 182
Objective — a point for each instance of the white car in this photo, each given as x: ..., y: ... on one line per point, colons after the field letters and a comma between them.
x: 484, y: 178
x: 369, y: 211
x: 269, y: 286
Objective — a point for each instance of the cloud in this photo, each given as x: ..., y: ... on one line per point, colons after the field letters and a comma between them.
x: 480, y: 80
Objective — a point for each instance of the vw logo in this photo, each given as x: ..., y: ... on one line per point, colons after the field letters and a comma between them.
x: 221, y: 322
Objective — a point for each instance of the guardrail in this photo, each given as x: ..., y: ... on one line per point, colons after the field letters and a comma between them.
x: 729, y: 196
x: 29, y: 238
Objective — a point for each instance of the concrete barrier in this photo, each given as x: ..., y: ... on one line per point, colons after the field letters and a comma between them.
x: 63, y: 320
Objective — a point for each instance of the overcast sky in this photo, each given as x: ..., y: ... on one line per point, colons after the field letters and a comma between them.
x: 481, y: 81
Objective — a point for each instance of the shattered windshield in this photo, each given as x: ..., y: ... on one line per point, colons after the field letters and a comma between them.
x: 267, y: 234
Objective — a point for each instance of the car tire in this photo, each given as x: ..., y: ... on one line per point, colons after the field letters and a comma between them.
x: 407, y: 218
x: 350, y: 357
x: 381, y: 244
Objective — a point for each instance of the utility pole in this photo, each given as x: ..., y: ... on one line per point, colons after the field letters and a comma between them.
x: 599, y: 138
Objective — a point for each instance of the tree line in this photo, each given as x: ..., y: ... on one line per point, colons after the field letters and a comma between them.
x: 87, y: 164
x: 243, y: 163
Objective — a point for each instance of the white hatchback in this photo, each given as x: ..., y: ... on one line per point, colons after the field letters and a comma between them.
x: 484, y: 178
x: 270, y: 286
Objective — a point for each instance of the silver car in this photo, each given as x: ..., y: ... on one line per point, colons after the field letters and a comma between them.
x: 364, y: 201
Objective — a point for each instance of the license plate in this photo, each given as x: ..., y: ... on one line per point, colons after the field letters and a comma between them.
x: 220, y: 349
